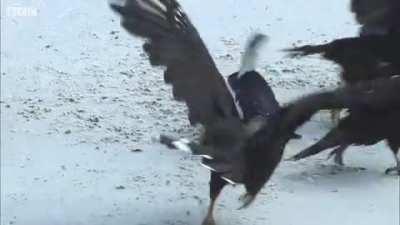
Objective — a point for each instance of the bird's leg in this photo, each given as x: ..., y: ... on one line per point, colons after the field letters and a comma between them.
x: 337, y: 154
x: 209, y: 219
x: 335, y: 113
x: 332, y: 139
x: 396, y: 169
x: 312, y: 150
x: 216, y: 186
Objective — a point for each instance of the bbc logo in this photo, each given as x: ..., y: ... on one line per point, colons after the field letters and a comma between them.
x: 18, y: 11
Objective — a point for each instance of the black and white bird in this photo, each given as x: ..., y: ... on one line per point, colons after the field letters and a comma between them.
x: 233, y: 112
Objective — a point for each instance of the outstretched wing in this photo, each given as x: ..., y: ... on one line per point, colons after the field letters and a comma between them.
x: 373, y: 116
x: 378, y: 95
x: 373, y: 54
x: 361, y: 58
x: 377, y: 16
x: 172, y: 41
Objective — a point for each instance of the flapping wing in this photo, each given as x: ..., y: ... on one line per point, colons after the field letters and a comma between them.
x: 361, y: 58
x: 373, y: 54
x: 172, y: 41
x: 376, y: 96
x: 373, y: 116
x: 377, y: 16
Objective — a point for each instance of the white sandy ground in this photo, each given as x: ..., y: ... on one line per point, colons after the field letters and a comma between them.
x: 78, y: 98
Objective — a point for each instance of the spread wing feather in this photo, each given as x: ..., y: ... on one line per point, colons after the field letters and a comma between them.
x: 379, y: 95
x: 375, y: 52
x: 173, y: 42
x: 361, y: 58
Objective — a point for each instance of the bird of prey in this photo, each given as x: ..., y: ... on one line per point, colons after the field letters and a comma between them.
x: 234, y: 112
x: 373, y: 116
x: 374, y: 53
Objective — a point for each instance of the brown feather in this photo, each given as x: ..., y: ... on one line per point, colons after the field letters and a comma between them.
x: 172, y: 41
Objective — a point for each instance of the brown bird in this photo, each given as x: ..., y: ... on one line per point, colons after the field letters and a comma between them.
x: 374, y: 116
x: 231, y: 111
x: 373, y: 54
x: 361, y: 58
